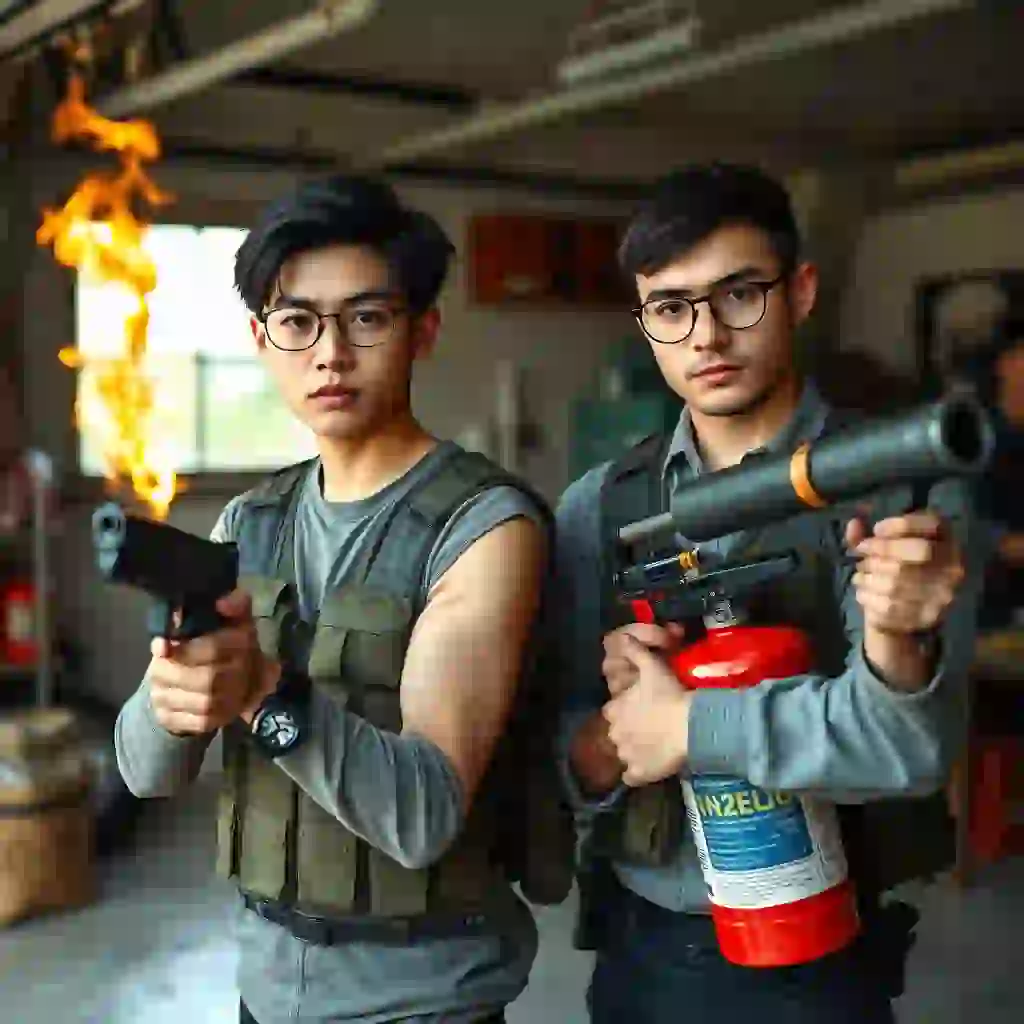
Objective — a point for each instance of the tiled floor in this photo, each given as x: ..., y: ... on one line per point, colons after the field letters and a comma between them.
x: 157, y: 949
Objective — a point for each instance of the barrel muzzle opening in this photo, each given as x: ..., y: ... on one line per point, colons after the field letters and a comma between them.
x: 966, y: 434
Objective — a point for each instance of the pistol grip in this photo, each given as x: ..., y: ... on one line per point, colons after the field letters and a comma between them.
x: 160, y: 620
x: 198, y: 620
x: 194, y: 621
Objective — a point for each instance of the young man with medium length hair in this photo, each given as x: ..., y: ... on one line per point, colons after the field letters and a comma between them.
x: 723, y: 286
x: 368, y: 663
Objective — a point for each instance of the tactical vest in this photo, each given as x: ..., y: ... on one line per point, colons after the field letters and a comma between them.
x: 273, y: 838
x: 887, y: 841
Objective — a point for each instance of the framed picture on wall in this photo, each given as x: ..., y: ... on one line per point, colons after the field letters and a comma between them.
x: 962, y: 316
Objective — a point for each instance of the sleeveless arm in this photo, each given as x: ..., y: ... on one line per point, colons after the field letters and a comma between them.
x: 408, y: 794
x: 152, y: 761
x: 852, y: 737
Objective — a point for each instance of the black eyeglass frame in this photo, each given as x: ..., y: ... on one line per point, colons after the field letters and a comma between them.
x: 263, y: 317
x: 765, y: 287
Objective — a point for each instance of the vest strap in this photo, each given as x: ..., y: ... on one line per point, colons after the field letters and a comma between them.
x: 632, y: 483
x: 274, y: 609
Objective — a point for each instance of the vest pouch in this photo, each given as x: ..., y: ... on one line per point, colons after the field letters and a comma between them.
x: 326, y: 859
x: 226, y: 865
x: 265, y: 811
x: 396, y: 891
x: 652, y: 821
x: 228, y: 818
x: 466, y: 878
x: 359, y: 645
x: 274, y: 610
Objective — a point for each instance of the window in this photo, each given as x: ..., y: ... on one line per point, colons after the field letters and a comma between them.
x: 217, y: 411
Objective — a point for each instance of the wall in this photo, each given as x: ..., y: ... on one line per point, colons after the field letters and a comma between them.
x: 559, y: 352
x: 897, y: 248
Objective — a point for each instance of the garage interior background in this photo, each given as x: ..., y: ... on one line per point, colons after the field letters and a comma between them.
x: 897, y: 124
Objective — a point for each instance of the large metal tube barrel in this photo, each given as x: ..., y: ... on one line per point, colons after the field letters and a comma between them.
x: 948, y: 438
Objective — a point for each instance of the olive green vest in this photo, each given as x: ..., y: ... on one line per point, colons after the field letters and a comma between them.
x: 887, y: 841
x: 273, y: 838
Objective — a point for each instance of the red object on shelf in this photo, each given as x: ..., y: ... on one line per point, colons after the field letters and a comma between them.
x: 18, y: 642
x: 530, y: 259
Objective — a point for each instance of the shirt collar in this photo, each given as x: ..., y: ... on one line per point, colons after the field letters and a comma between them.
x: 807, y: 422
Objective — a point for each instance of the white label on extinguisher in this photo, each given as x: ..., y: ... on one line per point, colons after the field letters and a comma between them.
x: 761, y: 848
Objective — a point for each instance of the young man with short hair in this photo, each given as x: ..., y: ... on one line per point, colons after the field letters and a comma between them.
x: 722, y: 286
x: 369, y: 661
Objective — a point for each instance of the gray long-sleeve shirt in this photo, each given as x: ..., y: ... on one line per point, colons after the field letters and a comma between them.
x: 398, y: 792
x: 849, y: 738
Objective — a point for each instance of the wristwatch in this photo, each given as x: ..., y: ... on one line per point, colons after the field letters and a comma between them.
x: 281, y: 722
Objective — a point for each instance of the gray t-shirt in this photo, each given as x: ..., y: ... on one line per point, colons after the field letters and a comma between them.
x: 282, y: 979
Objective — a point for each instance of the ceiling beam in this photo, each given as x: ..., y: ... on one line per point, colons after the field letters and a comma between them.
x: 322, y: 21
x: 444, y: 97
x: 824, y: 28
x: 617, y: 190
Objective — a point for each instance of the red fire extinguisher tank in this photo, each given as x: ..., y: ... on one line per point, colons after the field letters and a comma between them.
x: 773, y: 862
x: 17, y: 624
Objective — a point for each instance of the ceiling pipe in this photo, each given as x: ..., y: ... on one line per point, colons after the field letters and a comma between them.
x: 827, y: 29
x: 23, y: 26
x: 328, y: 18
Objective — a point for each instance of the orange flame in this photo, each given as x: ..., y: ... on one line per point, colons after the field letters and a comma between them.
x: 97, y: 233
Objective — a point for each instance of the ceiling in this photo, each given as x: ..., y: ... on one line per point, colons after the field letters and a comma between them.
x: 941, y: 81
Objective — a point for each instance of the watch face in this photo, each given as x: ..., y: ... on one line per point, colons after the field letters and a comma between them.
x: 277, y: 729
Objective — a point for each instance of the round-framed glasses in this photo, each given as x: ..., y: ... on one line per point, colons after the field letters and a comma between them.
x: 296, y: 328
x: 669, y: 319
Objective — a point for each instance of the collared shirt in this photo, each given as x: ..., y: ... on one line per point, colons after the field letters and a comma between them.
x: 848, y: 738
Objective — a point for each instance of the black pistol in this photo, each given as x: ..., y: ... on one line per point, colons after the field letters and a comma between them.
x: 184, y: 574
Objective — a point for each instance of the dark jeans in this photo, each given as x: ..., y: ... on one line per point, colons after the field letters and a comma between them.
x: 659, y: 967
x: 245, y: 1017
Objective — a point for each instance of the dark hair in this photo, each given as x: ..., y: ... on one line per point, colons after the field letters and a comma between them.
x: 345, y: 210
x: 692, y: 203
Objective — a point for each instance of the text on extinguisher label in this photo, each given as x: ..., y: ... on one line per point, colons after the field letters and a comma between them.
x: 747, y: 828
x: 761, y: 848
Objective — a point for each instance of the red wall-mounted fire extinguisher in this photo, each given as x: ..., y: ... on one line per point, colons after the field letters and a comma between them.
x: 18, y: 641
x: 773, y: 862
